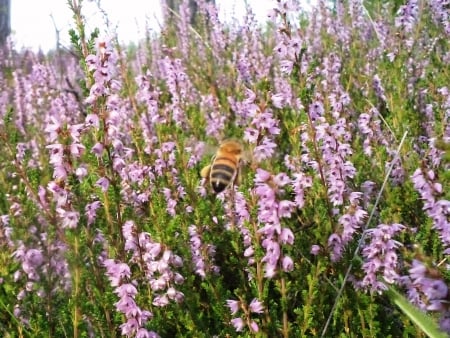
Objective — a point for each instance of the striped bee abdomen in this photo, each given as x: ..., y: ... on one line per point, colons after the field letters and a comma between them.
x: 222, y: 173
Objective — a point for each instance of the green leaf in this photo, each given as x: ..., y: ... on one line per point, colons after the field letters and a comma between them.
x: 423, y: 321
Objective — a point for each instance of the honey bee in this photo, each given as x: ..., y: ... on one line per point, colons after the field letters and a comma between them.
x: 224, y: 169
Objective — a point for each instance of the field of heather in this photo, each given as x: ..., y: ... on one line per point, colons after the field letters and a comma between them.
x: 336, y: 223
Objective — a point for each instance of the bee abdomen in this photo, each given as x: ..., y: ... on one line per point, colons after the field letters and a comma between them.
x: 221, y: 176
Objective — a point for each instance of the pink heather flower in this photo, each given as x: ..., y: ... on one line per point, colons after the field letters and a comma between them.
x: 76, y: 149
x: 285, y: 208
x: 315, y: 249
x: 129, y: 327
x: 300, y: 184
x: 287, y: 264
x: 60, y: 172
x: 270, y: 271
x: 380, y: 256
x: 378, y: 88
x: 127, y: 305
x: 116, y: 271
x: 53, y: 128
x: 160, y: 301
x: 69, y: 218
x: 444, y: 322
x: 56, y: 154
x: 407, y: 15
x: 91, y: 211
x: 144, y: 333
x: 81, y: 172
x: 249, y: 252
x: 418, y: 270
x: 238, y: 324
x: 286, y: 66
x: 262, y: 175
x: 251, y: 135
x: 97, y: 149
x: 264, y: 121
x: 426, y: 290
x: 92, y: 120
x: 256, y: 306
x: 126, y: 289
x: 233, y: 305
x: 335, y: 244
x: 435, y: 289
x: 278, y: 100
x: 281, y: 179
x: 103, y: 183
x: 75, y: 132
x: 281, y: 49
x: 253, y: 326
x: 33, y: 258
x: 287, y: 236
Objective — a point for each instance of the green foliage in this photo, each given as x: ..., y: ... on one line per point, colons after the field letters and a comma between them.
x: 426, y: 324
x: 159, y: 190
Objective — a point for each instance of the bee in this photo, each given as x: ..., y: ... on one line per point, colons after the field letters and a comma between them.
x: 224, y: 169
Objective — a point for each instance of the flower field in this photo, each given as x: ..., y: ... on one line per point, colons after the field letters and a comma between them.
x: 339, y: 219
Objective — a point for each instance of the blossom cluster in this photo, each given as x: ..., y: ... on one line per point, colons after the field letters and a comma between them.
x: 427, y: 290
x: 156, y: 264
x: 245, y: 320
x: 202, y: 253
x: 438, y: 209
x: 381, y: 257
x: 271, y: 211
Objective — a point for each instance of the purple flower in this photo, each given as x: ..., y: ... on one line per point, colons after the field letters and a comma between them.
x: 286, y: 236
x: 103, y: 183
x: 335, y: 244
x: 251, y: 135
x: 254, y: 326
x: 116, y: 271
x: 160, y: 301
x: 286, y: 66
x: 91, y: 211
x: 444, y: 322
x: 407, y: 15
x: 56, y: 154
x: 380, y: 256
x: 278, y: 100
x: 233, y: 305
x: 69, y: 218
x: 315, y: 249
x: 287, y: 264
x: 265, y: 150
x: 262, y: 175
x: 97, y: 149
x: 81, y: 172
x: 92, y: 120
x: 256, y: 306
x: 238, y: 324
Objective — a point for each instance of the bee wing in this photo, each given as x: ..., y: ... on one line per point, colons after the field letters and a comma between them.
x: 238, y: 175
x: 238, y: 179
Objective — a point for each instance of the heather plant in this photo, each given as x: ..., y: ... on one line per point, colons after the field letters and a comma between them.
x: 339, y: 227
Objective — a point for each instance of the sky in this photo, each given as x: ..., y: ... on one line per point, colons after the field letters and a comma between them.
x: 34, y: 23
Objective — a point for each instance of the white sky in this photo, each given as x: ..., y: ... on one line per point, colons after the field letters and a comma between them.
x: 33, y: 27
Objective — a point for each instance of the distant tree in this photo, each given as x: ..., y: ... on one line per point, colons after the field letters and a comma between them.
x: 5, y: 20
x: 174, y: 4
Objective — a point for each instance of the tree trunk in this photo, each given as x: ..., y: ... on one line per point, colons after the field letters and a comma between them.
x: 174, y: 4
x: 5, y: 20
